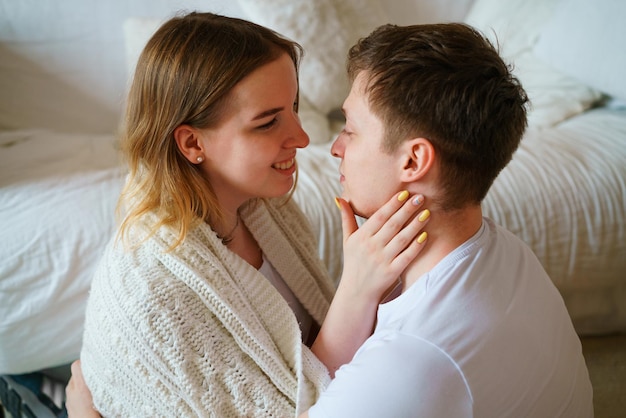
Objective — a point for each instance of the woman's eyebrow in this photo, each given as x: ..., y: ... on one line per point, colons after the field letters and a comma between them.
x: 267, y: 113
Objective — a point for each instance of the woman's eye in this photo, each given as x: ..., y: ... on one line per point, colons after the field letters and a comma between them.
x: 268, y: 124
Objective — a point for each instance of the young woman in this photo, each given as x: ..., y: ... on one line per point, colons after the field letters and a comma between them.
x: 209, y: 298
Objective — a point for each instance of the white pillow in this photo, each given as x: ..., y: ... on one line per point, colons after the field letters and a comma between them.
x: 587, y: 40
x: 515, y: 27
x: 326, y: 29
x: 517, y: 23
x: 555, y: 96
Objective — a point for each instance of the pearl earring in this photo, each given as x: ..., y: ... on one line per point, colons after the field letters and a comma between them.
x: 199, y: 159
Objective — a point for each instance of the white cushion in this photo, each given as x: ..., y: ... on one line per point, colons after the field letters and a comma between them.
x: 515, y: 27
x: 326, y: 29
x: 587, y: 40
x: 555, y: 96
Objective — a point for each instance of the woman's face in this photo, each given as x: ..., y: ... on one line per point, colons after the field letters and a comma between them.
x: 252, y: 152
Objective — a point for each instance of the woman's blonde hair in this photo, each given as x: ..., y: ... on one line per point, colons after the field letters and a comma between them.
x: 184, y: 76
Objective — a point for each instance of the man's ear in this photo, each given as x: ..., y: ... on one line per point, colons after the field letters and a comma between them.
x: 418, y: 157
x: 189, y: 144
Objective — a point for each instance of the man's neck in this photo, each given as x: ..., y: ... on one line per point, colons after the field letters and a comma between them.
x: 446, y: 232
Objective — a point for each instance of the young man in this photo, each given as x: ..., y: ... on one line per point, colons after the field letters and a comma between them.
x: 479, y: 329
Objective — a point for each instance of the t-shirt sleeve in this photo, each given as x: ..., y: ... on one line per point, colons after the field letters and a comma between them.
x: 397, y: 376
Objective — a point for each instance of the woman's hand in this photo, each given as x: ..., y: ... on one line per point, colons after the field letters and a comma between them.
x: 375, y: 255
x: 79, y: 403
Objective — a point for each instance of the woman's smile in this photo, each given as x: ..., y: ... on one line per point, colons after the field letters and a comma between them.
x: 285, y: 165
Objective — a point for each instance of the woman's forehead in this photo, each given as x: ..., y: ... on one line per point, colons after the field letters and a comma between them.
x: 272, y: 85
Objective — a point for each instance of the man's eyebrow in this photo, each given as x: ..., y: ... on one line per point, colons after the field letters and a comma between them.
x: 267, y: 113
x: 345, y: 113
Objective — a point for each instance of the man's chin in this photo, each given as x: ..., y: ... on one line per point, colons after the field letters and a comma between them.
x: 357, y: 211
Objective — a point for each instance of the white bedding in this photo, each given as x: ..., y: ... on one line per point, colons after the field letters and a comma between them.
x: 57, y: 198
x: 564, y: 193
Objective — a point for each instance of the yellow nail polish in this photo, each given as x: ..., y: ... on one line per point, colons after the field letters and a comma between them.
x: 424, y: 215
x: 422, y: 237
x: 403, y: 196
x: 337, y: 203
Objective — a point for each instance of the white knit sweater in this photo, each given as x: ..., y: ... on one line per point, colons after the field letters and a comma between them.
x: 198, y: 331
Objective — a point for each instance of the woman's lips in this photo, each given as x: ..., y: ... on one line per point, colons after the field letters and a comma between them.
x: 285, y: 165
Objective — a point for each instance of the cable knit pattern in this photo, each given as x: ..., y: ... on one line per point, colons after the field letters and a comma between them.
x: 198, y: 331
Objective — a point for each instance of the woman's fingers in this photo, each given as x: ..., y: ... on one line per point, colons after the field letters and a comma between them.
x: 409, y: 242
x: 393, y: 216
x: 348, y: 220
x: 411, y: 231
x: 379, y: 251
x: 392, y: 221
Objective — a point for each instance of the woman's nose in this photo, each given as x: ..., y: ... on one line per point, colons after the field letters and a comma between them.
x: 300, y: 139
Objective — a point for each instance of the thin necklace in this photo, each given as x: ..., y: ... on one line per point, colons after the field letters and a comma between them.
x: 226, y: 239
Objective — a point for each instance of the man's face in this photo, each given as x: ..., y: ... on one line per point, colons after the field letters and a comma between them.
x: 368, y: 175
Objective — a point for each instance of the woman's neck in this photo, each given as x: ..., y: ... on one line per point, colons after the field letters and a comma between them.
x: 236, y: 236
x: 231, y: 224
x: 227, y: 226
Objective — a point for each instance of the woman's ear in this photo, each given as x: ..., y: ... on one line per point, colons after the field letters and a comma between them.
x: 189, y: 144
x: 418, y: 158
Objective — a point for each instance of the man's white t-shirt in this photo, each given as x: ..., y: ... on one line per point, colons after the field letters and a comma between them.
x: 484, y: 334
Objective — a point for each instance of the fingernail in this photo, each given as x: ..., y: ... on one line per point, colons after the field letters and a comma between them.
x: 417, y: 200
x: 337, y: 203
x: 403, y: 196
x: 422, y: 237
x: 424, y: 215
